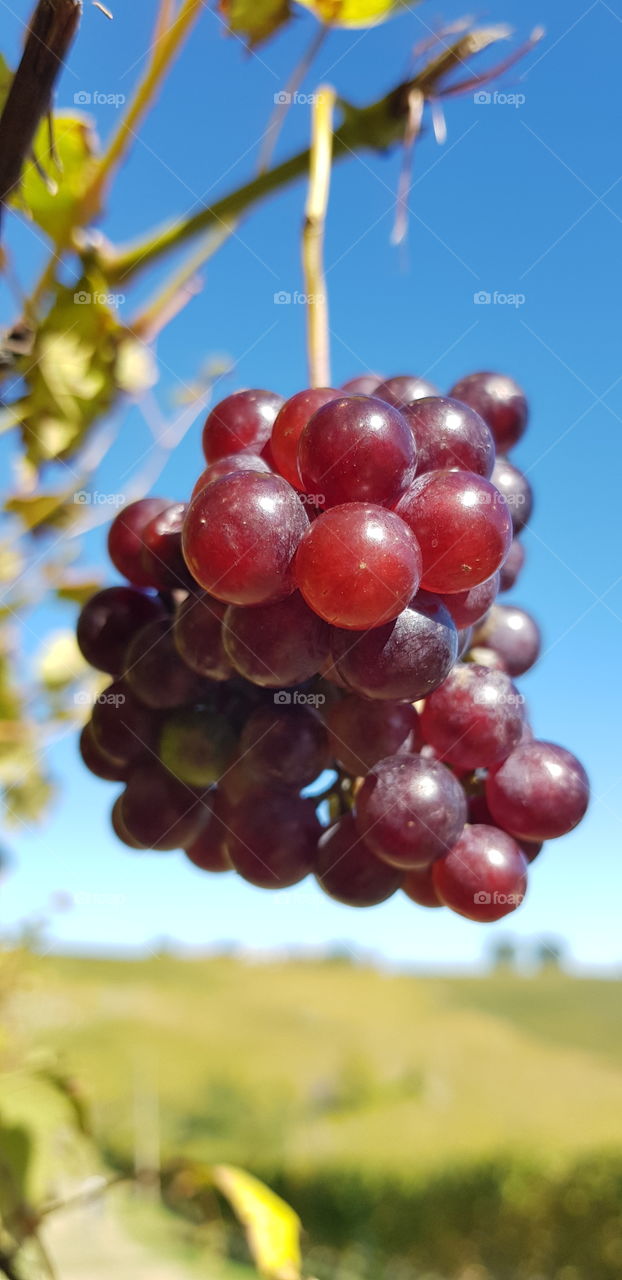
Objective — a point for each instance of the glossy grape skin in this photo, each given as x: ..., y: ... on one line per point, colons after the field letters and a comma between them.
x: 245, y: 461
x: 475, y: 718
x: 119, y: 827
x: 272, y: 838
x: 158, y: 811
x: 108, y: 622
x: 196, y: 746
x: 241, y: 421
x: 125, y: 538
x: 358, y: 565
x: 290, y: 422
x: 463, y: 526
x: 403, y: 389
x: 155, y: 672
x: 356, y: 449
x: 241, y: 535
x: 123, y: 729
x: 516, y: 490
x: 96, y: 761
x: 513, y: 634
x: 409, y: 810
x: 162, y: 556
x: 364, y: 385
x: 469, y: 607
x: 420, y: 888
x: 198, y: 636
x: 540, y: 792
x: 499, y: 401
x: 448, y: 435
x: 208, y: 850
x: 405, y: 659
x: 361, y: 732
x: 285, y: 744
x: 512, y: 567
x: 484, y: 876
x: 480, y: 813
x: 276, y: 645
x: 348, y: 871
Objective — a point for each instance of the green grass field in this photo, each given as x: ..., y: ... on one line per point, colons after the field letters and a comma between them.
x: 307, y: 1064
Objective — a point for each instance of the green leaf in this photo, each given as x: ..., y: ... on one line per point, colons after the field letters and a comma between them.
x: 6, y: 76
x: 272, y: 1228
x: 43, y: 509
x: 51, y: 190
x: 256, y: 20
x: 46, y: 1143
x: 356, y: 13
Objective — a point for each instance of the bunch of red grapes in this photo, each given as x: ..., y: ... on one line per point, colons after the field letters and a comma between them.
x: 310, y: 672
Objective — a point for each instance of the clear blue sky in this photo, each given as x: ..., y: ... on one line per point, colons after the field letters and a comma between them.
x: 524, y: 200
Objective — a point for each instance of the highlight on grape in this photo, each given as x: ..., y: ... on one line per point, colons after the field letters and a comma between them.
x: 311, y: 672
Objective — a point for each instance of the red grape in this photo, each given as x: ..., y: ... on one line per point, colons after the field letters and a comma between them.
x: 158, y: 811
x: 469, y: 607
x: 479, y: 812
x: 347, y: 869
x: 245, y: 461
x: 540, y: 792
x: 516, y: 490
x: 290, y: 422
x: 198, y: 636
x: 96, y: 761
x: 241, y: 535
x: 463, y: 526
x: 125, y: 538
x: 364, y: 385
x: 243, y: 420
x: 403, y: 389
x: 510, y: 570
x: 448, y: 435
x: 272, y: 838
x: 119, y: 827
x: 361, y: 732
x: 484, y: 876
x: 358, y: 565
x: 475, y: 718
x: 156, y: 673
x: 286, y: 744
x: 410, y: 810
x: 123, y: 729
x: 208, y: 850
x: 419, y: 886
x: 513, y: 634
x: 499, y: 401
x: 162, y: 556
x: 403, y: 660
x: 356, y: 449
x: 276, y: 645
x: 108, y: 622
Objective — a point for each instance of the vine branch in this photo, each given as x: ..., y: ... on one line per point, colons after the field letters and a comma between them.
x: 49, y: 36
x: 313, y: 237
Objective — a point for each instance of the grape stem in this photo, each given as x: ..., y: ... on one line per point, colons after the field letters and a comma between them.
x: 318, y: 345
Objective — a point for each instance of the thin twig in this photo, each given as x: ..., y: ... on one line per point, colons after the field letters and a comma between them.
x: 284, y: 99
x: 313, y: 236
x: 50, y: 33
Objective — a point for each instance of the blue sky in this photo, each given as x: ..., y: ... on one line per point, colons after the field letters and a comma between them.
x: 520, y: 200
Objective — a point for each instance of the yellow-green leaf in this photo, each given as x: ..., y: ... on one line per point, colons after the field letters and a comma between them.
x: 68, y: 162
x: 355, y: 13
x: 272, y: 1228
x: 255, y: 20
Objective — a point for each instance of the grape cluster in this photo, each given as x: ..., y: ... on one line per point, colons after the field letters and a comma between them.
x: 323, y: 614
